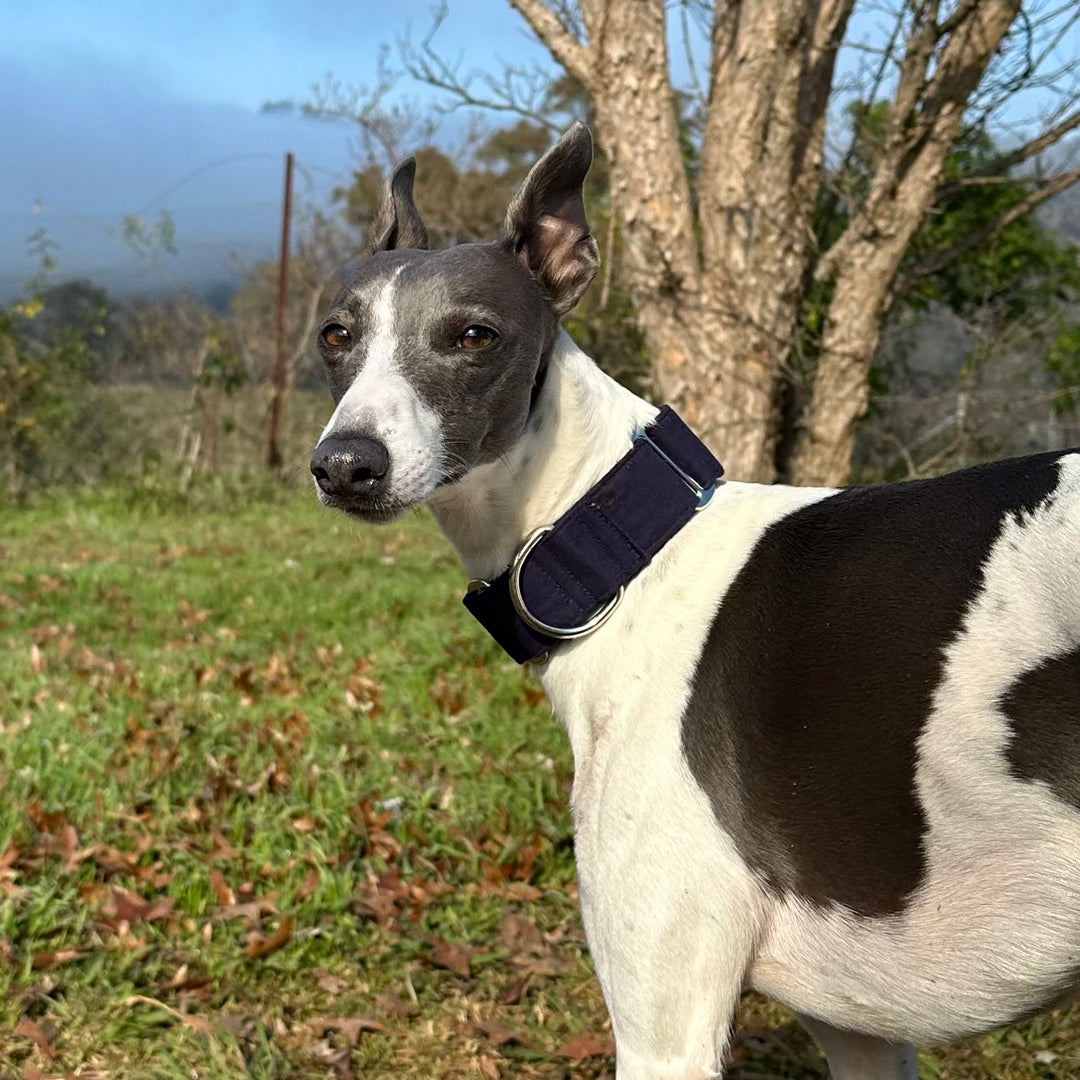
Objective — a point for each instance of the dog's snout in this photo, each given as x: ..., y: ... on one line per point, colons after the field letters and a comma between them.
x: 345, y: 466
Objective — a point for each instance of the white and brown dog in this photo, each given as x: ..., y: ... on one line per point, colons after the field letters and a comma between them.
x: 826, y: 746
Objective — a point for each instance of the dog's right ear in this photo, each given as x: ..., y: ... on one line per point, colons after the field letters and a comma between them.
x: 399, y: 224
x: 545, y: 223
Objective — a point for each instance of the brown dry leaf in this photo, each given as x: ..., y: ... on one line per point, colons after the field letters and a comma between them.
x: 222, y: 849
x: 498, y: 1035
x: 312, y: 880
x: 516, y: 891
x: 349, y: 1027
x: 586, y: 1046
x: 37, y: 661
x: 131, y: 908
x: 27, y: 1029
x: 52, y: 959
x: 251, y: 910
x: 452, y: 957
x: 520, y: 935
x: 259, y: 946
x: 225, y: 897
x: 515, y: 991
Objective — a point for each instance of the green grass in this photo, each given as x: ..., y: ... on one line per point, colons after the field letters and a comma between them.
x: 261, y: 773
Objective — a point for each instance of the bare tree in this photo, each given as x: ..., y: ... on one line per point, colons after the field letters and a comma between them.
x: 720, y: 264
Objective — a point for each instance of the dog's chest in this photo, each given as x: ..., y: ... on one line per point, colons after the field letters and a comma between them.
x: 622, y: 693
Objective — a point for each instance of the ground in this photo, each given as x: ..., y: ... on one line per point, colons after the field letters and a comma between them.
x: 275, y: 807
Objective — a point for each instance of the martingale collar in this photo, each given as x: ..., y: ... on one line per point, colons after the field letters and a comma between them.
x: 568, y: 578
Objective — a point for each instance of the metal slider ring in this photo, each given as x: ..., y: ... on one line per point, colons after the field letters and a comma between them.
x: 562, y: 633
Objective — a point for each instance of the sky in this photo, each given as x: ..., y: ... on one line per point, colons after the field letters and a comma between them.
x: 120, y: 107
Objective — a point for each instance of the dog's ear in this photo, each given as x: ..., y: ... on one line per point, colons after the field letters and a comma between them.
x: 399, y: 224
x: 545, y: 222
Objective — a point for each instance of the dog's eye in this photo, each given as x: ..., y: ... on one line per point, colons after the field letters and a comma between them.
x: 335, y: 335
x: 477, y: 337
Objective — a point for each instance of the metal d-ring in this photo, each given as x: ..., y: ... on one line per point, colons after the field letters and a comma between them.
x: 562, y: 633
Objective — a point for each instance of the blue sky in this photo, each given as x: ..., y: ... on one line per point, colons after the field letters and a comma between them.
x: 106, y: 106
x: 117, y: 107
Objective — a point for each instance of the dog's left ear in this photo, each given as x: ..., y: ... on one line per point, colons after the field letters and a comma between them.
x: 545, y: 222
x: 399, y: 224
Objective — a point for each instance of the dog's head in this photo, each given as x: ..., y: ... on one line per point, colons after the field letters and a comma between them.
x: 434, y: 357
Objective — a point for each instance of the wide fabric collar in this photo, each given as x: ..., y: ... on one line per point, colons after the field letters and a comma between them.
x: 568, y: 577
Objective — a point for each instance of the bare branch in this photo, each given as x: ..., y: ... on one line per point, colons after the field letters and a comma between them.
x: 1004, y: 162
x: 564, y: 47
x: 520, y: 91
x: 941, y: 259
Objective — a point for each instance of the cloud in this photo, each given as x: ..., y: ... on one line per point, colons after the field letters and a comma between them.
x: 106, y: 141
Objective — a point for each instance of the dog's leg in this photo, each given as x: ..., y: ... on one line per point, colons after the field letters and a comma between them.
x: 672, y: 971
x: 862, y: 1057
x: 686, y: 1038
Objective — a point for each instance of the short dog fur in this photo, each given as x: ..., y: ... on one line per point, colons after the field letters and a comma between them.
x: 828, y: 747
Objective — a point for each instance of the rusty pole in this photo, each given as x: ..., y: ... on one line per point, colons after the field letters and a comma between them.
x: 277, y: 376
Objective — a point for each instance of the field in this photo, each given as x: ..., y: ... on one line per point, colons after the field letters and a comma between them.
x: 274, y: 807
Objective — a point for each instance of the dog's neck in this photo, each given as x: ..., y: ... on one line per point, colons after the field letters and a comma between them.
x: 580, y: 425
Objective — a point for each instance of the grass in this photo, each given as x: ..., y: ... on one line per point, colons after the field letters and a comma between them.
x: 274, y: 807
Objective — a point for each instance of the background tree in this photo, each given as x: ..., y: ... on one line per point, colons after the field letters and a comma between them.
x: 719, y: 246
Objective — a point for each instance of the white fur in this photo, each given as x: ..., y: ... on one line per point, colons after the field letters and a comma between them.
x: 383, y: 404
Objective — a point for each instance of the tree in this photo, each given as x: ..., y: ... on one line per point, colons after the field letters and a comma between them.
x: 719, y: 246
x: 972, y: 360
x: 54, y: 427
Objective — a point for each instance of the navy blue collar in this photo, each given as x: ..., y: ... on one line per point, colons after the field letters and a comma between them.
x: 567, y: 578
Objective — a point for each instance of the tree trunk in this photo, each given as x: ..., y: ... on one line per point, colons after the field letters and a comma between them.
x: 719, y: 325
x: 865, y: 260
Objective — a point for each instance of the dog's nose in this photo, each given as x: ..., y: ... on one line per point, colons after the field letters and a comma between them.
x: 349, y: 465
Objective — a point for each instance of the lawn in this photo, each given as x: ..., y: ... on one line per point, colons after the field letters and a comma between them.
x: 275, y: 807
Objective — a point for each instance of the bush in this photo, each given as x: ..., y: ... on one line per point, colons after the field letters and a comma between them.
x: 55, y: 425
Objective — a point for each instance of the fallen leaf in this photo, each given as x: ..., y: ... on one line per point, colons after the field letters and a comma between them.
x: 498, y: 1035
x: 27, y: 1029
x: 520, y: 935
x: 451, y: 957
x: 259, y: 946
x: 52, y: 959
x: 251, y: 910
x: 225, y: 897
x: 131, y: 908
x: 586, y: 1046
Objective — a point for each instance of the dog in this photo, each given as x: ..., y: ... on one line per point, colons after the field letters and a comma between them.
x: 826, y: 742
